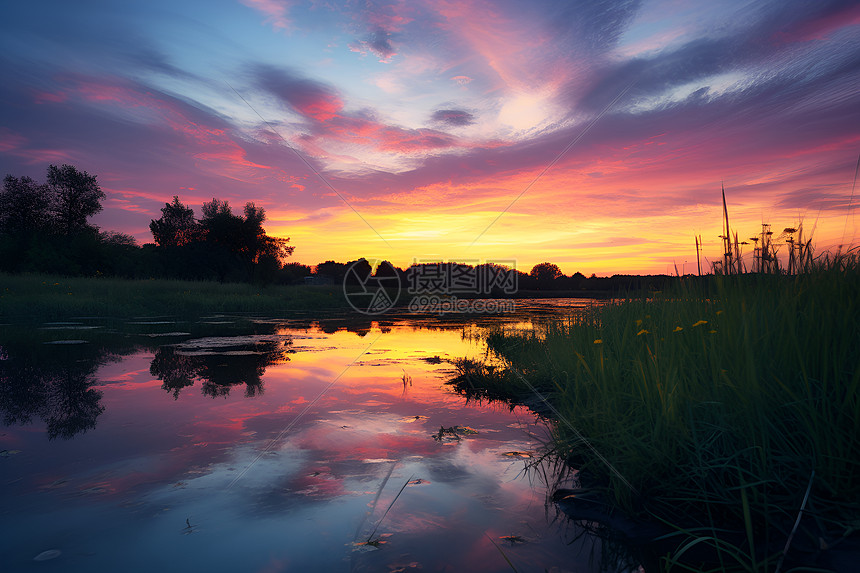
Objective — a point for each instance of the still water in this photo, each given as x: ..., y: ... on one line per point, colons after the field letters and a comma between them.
x: 266, y: 445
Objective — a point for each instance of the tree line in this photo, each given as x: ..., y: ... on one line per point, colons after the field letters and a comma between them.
x: 45, y: 228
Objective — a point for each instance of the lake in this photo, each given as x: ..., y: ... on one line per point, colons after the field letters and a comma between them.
x: 234, y: 443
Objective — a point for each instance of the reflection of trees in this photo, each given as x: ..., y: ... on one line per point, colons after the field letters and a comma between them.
x: 360, y: 326
x: 53, y: 387
x: 74, y: 405
x: 56, y: 383
x: 219, y: 368
x: 176, y: 371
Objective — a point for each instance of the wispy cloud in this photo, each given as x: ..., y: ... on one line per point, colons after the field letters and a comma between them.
x: 452, y: 111
x: 276, y: 12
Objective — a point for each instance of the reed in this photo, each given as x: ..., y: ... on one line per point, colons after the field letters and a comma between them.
x: 711, y: 406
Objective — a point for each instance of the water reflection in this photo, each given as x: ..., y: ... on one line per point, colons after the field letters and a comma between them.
x: 291, y: 479
x: 44, y: 375
x: 219, y: 363
x: 52, y: 383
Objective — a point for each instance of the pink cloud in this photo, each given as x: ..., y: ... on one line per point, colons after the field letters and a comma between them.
x: 34, y: 156
x: 9, y: 140
x: 274, y: 10
x: 821, y: 28
x: 323, y: 108
x: 41, y: 97
x: 367, y: 132
x: 312, y: 99
x: 126, y: 205
x: 211, y: 145
x: 390, y: 17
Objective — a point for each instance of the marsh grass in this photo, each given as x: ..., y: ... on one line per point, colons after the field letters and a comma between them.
x: 48, y: 297
x: 716, y: 402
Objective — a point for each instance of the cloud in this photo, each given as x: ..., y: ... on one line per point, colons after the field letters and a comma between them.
x: 454, y: 117
x: 761, y: 95
x: 379, y: 43
x: 335, y: 131
x: 311, y: 99
x: 593, y: 28
x: 275, y: 11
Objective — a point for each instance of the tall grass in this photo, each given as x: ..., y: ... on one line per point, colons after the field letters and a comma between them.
x: 48, y: 297
x: 712, y: 407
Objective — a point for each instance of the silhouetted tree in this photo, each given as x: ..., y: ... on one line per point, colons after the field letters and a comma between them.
x: 118, y: 254
x: 333, y: 270
x: 263, y: 254
x: 358, y: 272
x: 545, y: 274
x: 25, y: 212
x: 176, y: 227
x: 76, y: 197
x: 294, y: 273
x: 387, y: 269
x: 25, y: 206
x: 387, y: 272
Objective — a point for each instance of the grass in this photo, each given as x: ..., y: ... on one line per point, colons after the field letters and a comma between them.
x: 47, y: 297
x: 719, y: 409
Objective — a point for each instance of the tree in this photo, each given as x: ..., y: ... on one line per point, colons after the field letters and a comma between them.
x: 386, y: 269
x: 254, y: 241
x: 76, y: 197
x: 220, y: 226
x: 222, y: 233
x: 25, y: 206
x: 545, y: 274
x: 238, y: 245
x: 294, y: 273
x: 333, y: 270
x: 176, y: 227
x: 24, y: 215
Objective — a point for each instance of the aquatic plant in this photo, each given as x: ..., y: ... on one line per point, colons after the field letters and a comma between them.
x: 720, y: 409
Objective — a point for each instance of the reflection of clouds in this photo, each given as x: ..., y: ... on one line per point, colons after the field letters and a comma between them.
x: 303, y: 492
x: 219, y: 363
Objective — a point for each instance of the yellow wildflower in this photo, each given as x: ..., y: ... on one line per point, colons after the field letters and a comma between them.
x: 598, y: 341
x: 678, y: 329
x: 712, y: 331
x: 700, y: 323
x: 638, y: 322
x: 641, y: 332
x: 719, y: 312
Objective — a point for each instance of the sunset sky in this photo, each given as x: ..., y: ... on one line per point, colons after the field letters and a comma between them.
x: 591, y: 134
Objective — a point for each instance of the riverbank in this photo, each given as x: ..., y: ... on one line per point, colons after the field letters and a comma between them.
x: 51, y: 297
x: 725, y: 412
